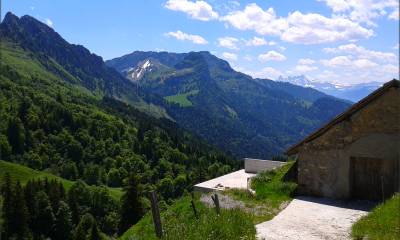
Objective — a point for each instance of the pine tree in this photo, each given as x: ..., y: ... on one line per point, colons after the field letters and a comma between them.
x: 16, y: 135
x: 63, y: 223
x: 44, y: 216
x: 8, y: 198
x: 94, y: 234
x: 131, y: 207
x: 20, y: 214
x: 81, y: 231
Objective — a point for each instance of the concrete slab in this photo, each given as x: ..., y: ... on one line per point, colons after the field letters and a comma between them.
x: 314, y: 219
x: 236, y: 179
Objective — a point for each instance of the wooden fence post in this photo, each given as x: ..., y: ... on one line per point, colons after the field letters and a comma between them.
x: 383, y: 190
x: 216, y: 202
x: 194, y: 207
x: 156, y: 214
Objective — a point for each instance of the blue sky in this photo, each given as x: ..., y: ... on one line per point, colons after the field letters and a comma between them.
x: 341, y: 41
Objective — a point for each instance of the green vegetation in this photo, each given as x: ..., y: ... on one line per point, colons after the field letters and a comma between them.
x: 182, y: 99
x: 62, y: 116
x: 24, y: 174
x: 271, y: 193
x: 179, y: 222
x: 43, y: 208
x: 382, y: 223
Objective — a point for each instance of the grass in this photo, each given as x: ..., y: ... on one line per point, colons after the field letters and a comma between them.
x: 383, y: 222
x: 271, y: 193
x: 24, y: 174
x: 182, y: 99
x: 179, y: 222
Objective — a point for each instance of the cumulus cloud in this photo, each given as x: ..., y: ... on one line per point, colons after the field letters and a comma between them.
x: 271, y: 56
x: 306, y: 61
x: 310, y: 28
x: 248, y: 58
x: 200, y: 10
x: 348, y: 62
x: 394, y: 15
x: 361, y: 52
x: 255, y: 18
x: 364, y: 11
x: 267, y: 72
x: 229, y: 56
x: 304, y: 68
x: 196, y: 39
x: 228, y: 42
x: 314, y: 28
x: 49, y: 22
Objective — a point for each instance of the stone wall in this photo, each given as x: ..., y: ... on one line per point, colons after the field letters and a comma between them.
x: 373, y: 132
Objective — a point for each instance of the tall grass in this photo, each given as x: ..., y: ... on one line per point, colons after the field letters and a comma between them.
x: 180, y: 223
x: 383, y: 222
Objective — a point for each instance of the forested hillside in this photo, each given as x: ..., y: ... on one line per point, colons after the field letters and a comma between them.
x: 61, y: 113
x: 248, y: 117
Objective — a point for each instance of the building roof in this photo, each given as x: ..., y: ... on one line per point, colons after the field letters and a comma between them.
x: 345, y: 115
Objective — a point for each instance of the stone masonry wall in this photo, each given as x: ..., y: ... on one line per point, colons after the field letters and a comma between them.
x: 374, y: 131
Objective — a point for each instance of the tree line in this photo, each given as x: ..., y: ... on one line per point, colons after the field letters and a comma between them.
x: 43, y: 209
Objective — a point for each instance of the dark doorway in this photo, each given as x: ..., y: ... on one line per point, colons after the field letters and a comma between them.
x: 370, y: 178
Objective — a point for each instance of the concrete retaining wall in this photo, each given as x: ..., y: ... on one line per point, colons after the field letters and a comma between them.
x: 257, y: 165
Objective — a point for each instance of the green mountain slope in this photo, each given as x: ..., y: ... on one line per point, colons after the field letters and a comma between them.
x: 51, y: 120
x: 23, y: 174
x: 248, y: 117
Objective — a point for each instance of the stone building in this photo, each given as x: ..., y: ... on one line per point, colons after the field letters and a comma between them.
x: 357, y: 154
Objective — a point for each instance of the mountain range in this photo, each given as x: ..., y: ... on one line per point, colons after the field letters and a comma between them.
x: 241, y: 115
x: 353, y: 93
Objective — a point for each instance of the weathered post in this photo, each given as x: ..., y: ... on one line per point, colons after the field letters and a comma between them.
x: 194, y: 207
x: 383, y: 190
x: 156, y: 214
x: 216, y: 202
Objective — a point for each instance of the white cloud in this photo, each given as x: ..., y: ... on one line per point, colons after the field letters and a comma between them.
x: 364, y: 63
x: 281, y: 48
x: 248, y: 58
x: 271, y: 56
x: 314, y: 28
x: 228, y: 42
x: 200, y: 10
x: 304, y: 68
x: 362, y: 52
x: 363, y: 11
x: 49, y: 22
x: 396, y: 47
x: 306, y: 61
x: 339, y: 61
x: 256, y: 41
x: 348, y: 62
x: 394, y: 15
x: 255, y: 18
x: 229, y: 56
x: 310, y: 28
x: 196, y: 39
x: 267, y: 72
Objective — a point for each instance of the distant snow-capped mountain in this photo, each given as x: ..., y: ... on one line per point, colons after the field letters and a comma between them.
x: 353, y: 92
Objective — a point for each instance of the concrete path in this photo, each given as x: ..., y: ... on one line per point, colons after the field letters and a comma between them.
x: 312, y: 219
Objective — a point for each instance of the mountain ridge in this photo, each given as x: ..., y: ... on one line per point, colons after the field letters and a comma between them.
x: 230, y: 109
x: 353, y: 92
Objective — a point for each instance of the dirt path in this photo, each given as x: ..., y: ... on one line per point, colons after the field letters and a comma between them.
x: 312, y: 219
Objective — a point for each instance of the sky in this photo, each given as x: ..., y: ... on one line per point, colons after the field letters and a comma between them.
x: 337, y: 41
